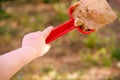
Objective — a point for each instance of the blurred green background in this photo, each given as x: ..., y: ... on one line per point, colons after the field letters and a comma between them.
x: 72, y: 57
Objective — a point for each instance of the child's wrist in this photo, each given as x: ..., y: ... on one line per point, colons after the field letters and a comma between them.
x: 31, y: 50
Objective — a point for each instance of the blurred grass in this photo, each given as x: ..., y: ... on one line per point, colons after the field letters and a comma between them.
x: 3, y: 15
x: 116, y: 54
x: 73, y: 55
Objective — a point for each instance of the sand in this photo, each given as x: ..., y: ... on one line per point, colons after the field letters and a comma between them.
x: 93, y: 14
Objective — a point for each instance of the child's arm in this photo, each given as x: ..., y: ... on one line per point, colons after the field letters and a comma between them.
x: 33, y: 46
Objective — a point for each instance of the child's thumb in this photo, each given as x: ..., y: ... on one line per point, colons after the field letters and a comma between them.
x: 47, y: 31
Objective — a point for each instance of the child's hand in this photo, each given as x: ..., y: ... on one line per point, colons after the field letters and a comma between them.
x: 36, y: 41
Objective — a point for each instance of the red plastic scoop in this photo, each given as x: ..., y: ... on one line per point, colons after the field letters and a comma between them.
x: 65, y: 28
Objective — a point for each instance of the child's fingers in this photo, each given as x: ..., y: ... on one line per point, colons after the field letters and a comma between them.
x: 47, y: 31
x: 47, y: 48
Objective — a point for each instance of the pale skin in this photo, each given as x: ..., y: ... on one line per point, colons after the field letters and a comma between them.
x: 33, y: 46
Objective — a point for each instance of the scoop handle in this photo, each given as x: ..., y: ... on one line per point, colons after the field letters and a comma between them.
x: 60, y: 31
